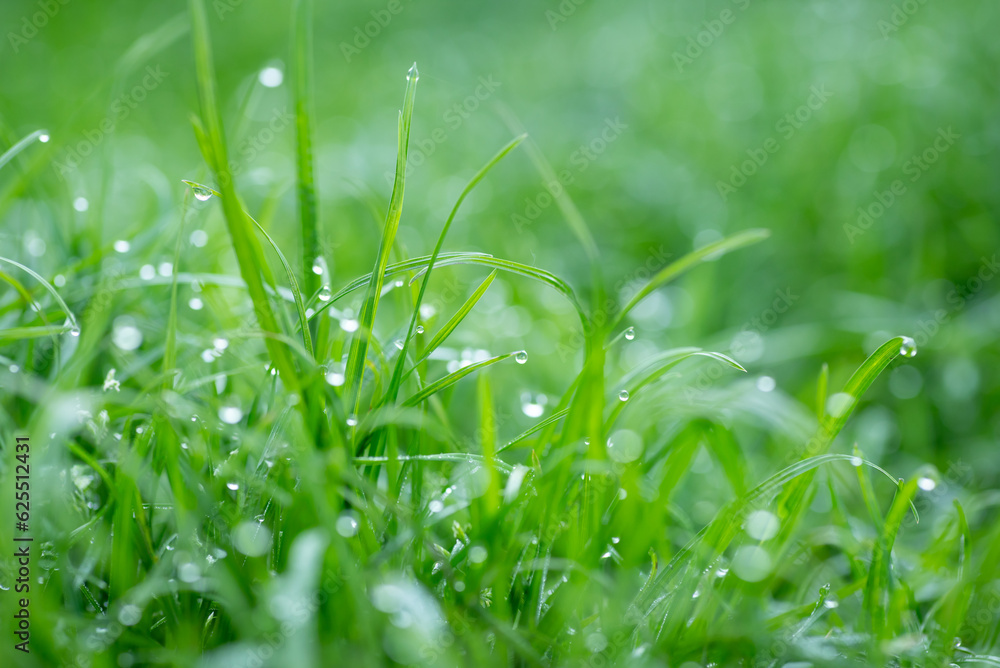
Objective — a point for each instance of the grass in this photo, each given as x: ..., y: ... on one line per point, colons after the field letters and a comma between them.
x: 333, y: 493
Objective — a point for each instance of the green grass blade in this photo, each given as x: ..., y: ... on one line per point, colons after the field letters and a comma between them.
x: 534, y: 429
x: 358, y: 356
x: 692, y: 259
x: 397, y: 374
x: 302, y: 91
x: 73, y: 324
x: 240, y: 232
x: 24, y: 143
x: 289, y: 272
x: 460, y: 315
x: 527, y: 271
x: 879, y: 585
x: 452, y: 378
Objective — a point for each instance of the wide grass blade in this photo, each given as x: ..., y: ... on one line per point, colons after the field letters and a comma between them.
x: 302, y: 92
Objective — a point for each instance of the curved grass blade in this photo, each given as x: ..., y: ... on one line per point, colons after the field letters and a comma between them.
x: 24, y: 143
x: 720, y: 532
x: 397, y: 374
x: 692, y: 259
x: 452, y: 378
x: 656, y: 368
x: 528, y: 271
x: 358, y: 355
x: 74, y: 325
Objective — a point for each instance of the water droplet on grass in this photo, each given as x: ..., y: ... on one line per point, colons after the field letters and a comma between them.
x: 630, y: 333
x: 233, y: 486
x: 201, y: 193
x: 521, y: 357
x: 908, y: 348
x: 413, y: 74
x: 623, y: 395
x: 122, y: 246
x: 81, y: 204
x: 926, y: 484
x: 420, y: 329
x: 352, y: 421
x: 230, y: 414
x: 325, y: 293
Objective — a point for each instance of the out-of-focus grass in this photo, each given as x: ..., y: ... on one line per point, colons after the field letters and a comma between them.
x: 215, y: 482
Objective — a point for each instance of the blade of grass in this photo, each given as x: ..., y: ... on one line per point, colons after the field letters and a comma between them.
x: 74, y: 325
x: 452, y: 378
x: 24, y: 143
x: 358, y: 356
x: 692, y: 259
x: 397, y: 374
x: 302, y: 86
x: 213, y: 145
x: 460, y: 315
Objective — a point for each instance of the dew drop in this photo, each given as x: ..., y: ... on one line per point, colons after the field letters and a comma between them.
x: 122, y: 246
x: 325, y: 293
x: 352, y: 421
x: 908, y: 348
x: 81, y: 204
x: 44, y: 137
x: 195, y: 304
x: 630, y: 333
x: 926, y: 484
x: 420, y: 329
x: 233, y: 486
x: 412, y: 75
x: 856, y: 461
x: 623, y: 395
x: 201, y: 193
x: 398, y: 343
x: 521, y: 357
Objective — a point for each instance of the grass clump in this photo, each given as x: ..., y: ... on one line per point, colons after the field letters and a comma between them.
x: 317, y: 499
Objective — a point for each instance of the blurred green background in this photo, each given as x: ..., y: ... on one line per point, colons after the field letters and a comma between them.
x: 838, y: 97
